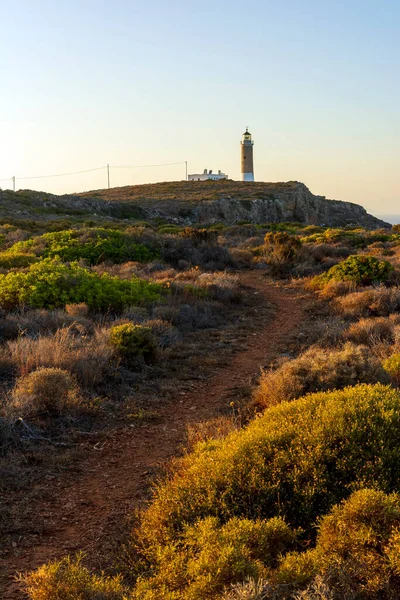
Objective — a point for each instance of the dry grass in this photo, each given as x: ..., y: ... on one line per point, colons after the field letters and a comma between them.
x: 41, y: 321
x: 77, y: 310
x: 45, y: 393
x: 217, y: 428
x: 90, y: 359
x: 318, y: 369
x: 381, y: 301
x: 165, y: 333
x: 371, y: 331
x: 333, y: 289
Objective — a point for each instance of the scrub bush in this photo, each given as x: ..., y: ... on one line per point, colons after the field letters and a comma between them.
x: 47, y: 392
x: 92, y: 245
x: 318, y: 369
x: 195, y: 535
x: 213, y: 556
x: 280, y: 249
x: 296, y: 461
x: 373, y: 330
x: 52, y: 284
x: 392, y: 366
x: 89, y: 358
x: 134, y: 341
x: 359, y: 269
x: 17, y: 260
x: 68, y: 579
x: 357, y: 549
x: 373, y: 302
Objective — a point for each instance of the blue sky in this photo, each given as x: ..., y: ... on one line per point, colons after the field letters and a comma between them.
x: 87, y: 83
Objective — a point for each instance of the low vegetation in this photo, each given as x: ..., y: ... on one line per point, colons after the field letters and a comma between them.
x: 358, y: 269
x: 319, y: 369
x: 52, y: 284
x: 295, y: 496
x: 93, y: 245
x: 44, y: 394
x: 134, y: 341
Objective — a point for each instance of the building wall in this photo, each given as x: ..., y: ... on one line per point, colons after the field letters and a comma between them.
x: 206, y: 176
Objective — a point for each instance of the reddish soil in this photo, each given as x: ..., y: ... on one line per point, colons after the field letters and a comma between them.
x: 81, y: 510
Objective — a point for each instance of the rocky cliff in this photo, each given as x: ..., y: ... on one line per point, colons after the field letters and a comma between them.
x: 232, y: 202
x: 191, y: 202
x: 296, y: 203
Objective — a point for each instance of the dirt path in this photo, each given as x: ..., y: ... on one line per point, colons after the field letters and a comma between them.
x: 84, y: 509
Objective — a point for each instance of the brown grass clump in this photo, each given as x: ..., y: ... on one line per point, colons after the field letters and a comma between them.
x: 89, y: 359
x: 77, y: 310
x: 47, y: 392
x: 379, y: 302
x: 213, y: 429
x: 371, y: 331
x: 220, y: 286
x: 41, y: 321
x: 333, y: 289
x: 164, y: 332
x: 318, y: 369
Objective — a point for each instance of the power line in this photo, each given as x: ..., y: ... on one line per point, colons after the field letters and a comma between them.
x: 62, y: 174
x: 108, y: 167
x: 182, y: 162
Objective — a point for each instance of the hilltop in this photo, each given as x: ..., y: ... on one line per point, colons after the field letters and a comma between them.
x: 189, y: 203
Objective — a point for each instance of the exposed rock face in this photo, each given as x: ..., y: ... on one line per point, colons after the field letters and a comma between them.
x: 191, y: 202
x: 296, y: 204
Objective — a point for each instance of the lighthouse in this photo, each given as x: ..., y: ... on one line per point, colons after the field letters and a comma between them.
x: 246, y: 147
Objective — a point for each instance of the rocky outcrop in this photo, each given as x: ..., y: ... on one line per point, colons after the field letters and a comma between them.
x: 192, y: 202
x: 294, y: 204
x: 234, y: 202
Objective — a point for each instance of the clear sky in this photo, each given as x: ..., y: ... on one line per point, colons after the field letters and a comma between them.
x: 84, y: 83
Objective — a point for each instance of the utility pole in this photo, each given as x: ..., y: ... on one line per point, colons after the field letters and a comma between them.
x: 13, y: 183
x: 108, y: 175
x: 186, y: 168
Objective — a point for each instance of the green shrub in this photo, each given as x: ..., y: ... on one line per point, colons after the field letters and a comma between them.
x: 169, y: 229
x: 16, y: 260
x: 281, y: 247
x: 52, y: 284
x: 213, y: 556
x: 359, y: 269
x: 93, y: 245
x: 355, y: 239
x: 296, y: 461
x: 318, y: 369
x: 68, y: 579
x: 357, y: 549
x: 392, y: 366
x: 134, y: 341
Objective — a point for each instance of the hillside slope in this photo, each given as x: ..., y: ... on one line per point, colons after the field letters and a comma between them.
x: 189, y: 203
x: 232, y: 201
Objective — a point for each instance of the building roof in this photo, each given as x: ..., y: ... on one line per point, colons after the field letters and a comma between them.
x: 247, y: 132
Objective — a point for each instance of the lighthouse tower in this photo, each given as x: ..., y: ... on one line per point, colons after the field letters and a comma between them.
x: 246, y: 147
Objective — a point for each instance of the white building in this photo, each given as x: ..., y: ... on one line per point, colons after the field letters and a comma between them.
x: 207, y: 175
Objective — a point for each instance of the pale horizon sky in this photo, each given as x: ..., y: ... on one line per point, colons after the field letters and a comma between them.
x: 86, y: 83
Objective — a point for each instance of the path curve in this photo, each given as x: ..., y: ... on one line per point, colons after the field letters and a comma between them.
x: 113, y: 479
